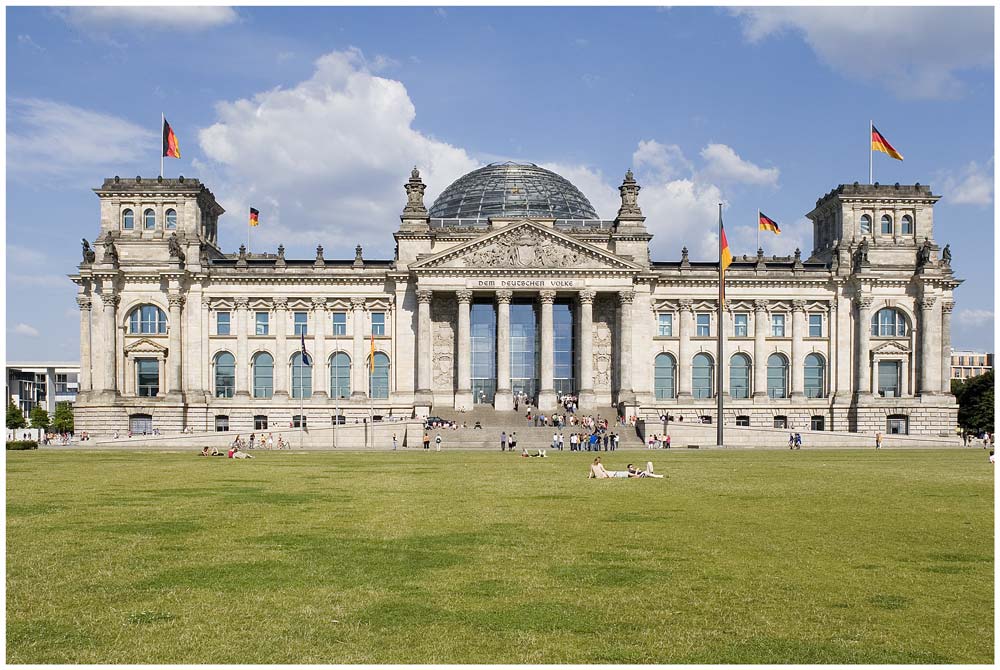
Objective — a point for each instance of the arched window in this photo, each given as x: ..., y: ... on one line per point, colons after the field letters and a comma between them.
x: 866, y: 224
x: 225, y: 374
x: 128, y: 219
x: 263, y: 375
x: 664, y: 367
x: 171, y: 219
x: 815, y: 376
x: 906, y: 225
x: 777, y: 376
x: 149, y: 219
x: 886, y: 224
x: 147, y: 320
x: 301, y: 376
x: 340, y: 375
x: 889, y: 322
x: 702, y: 373
x: 378, y: 378
x: 739, y: 376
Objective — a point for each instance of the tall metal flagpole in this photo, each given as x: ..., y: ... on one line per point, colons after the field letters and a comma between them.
x: 720, y: 328
x: 758, y: 227
x: 163, y: 121
x: 871, y: 129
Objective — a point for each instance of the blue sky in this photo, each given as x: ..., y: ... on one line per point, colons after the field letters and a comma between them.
x: 315, y: 115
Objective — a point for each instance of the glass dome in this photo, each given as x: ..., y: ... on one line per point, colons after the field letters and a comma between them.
x: 513, y: 190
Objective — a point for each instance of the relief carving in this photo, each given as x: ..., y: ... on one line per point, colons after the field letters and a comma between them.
x: 444, y: 316
x: 604, y: 316
x: 527, y: 248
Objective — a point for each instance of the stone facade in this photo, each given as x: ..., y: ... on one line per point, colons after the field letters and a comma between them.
x: 177, y: 334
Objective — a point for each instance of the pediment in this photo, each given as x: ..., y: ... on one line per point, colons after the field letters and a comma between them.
x: 524, y: 246
x: 891, y: 347
x: 145, y: 346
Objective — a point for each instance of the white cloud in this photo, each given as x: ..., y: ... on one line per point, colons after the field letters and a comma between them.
x: 972, y: 185
x: 660, y: 161
x: 180, y: 18
x: 724, y: 164
x: 681, y: 212
x: 25, y: 329
x: 327, y: 158
x: 48, y: 138
x: 26, y: 41
x: 974, y: 317
x: 917, y: 52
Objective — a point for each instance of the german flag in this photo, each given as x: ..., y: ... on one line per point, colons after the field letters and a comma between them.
x: 371, y: 356
x: 879, y: 143
x: 725, y: 256
x: 170, y: 147
x: 764, y: 222
x: 254, y: 221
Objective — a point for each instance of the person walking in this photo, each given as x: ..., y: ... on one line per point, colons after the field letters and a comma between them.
x: 503, y: 440
x: 798, y: 440
x: 512, y: 441
x: 561, y: 442
x: 427, y: 440
x: 878, y: 439
x: 437, y: 442
x: 395, y: 442
x: 555, y: 440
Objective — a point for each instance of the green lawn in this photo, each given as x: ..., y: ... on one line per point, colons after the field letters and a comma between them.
x: 736, y: 557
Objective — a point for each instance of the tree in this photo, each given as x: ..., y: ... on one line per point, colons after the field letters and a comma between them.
x: 975, y: 404
x: 39, y: 418
x: 62, y: 419
x: 15, y: 419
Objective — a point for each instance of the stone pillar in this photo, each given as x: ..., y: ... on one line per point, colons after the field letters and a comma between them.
x: 585, y: 374
x: 85, y: 360
x: 175, y: 385
x: 547, y: 393
x: 109, y: 300
x: 930, y: 366
x: 796, y: 366
x: 862, y: 334
x: 242, y: 348
x: 625, y: 392
x: 946, y: 307
x: 359, y: 365
x: 684, y: 349
x: 321, y: 381
x: 841, y: 348
x: 760, y: 328
x: 504, y: 399
x: 281, y: 347
x: 463, y: 394
x: 424, y: 351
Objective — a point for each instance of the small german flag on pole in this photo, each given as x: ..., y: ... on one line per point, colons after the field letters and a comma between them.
x: 764, y: 222
x: 879, y: 143
x: 170, y: 147
x: 254, y: 220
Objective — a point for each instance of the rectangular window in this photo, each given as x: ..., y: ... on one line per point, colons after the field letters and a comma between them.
x: 222, y: 323
x: 740, y: 322
x: 815, y: 325
x: 781, y: 421
x: 897, y: 425
x: 221, y: 423
x: 147, y: 373
x: 888, y: 379
x: 817, y: 422
x: 62, y: 385
x: 301, y: 323
x: 666, y: 325
x: 378, y: 323
x: 703, y: 325
x: 261, y: 323
x: 340, y: 323
x: 299, y: 421
x: 260, y: 422
x: 743, y: 420
x: 777, y: 325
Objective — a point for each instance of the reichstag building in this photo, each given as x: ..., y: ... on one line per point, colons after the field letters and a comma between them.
x: 510, y: 286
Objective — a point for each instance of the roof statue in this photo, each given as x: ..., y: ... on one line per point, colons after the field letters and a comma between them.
x: 174, y: 247
x: 924, y: 253
x: 88, y: 254
x: 946, y: 255
x: 629, y: 191
x: 415, y: 195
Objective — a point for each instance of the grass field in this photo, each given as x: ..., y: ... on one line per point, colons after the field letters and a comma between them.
x: 736, y: 557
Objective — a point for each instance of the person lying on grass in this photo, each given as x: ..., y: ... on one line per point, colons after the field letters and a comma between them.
x: 539, y: 453
x: 597, y: 471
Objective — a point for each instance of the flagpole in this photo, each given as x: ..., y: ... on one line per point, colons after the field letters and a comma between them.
x: 720, y: 328
x: 162, y: 121
x: 871, y: 129
x: 758, y: 227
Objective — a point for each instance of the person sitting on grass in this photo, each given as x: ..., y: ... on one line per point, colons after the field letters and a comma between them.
x: 240, y: 454
x: 204, y: 451
x: 597, y: 471
x: 648, y: 472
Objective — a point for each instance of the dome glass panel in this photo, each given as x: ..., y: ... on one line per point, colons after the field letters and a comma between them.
x: 512, y: 190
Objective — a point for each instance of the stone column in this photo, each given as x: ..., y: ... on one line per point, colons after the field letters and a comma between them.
x: 684, y: 349
x: 281, y: 347
x: 424, y: 350
x: 547, y: 393
x: 862, y: 333
x: 359, y: 365
x: 760, y: 328
x: 946, y: 307
x: 321, y: 381
x: 585, y: 374
x: 109, y: 300
x: 85, y: 361
x: 463, y: 394
x: 841, y: 347
x: 625, y: 393
x: 797, y: 364
x: 175, y: 385
x: 504, y: 400
x: 930, y: 366
x: 242, y: 348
